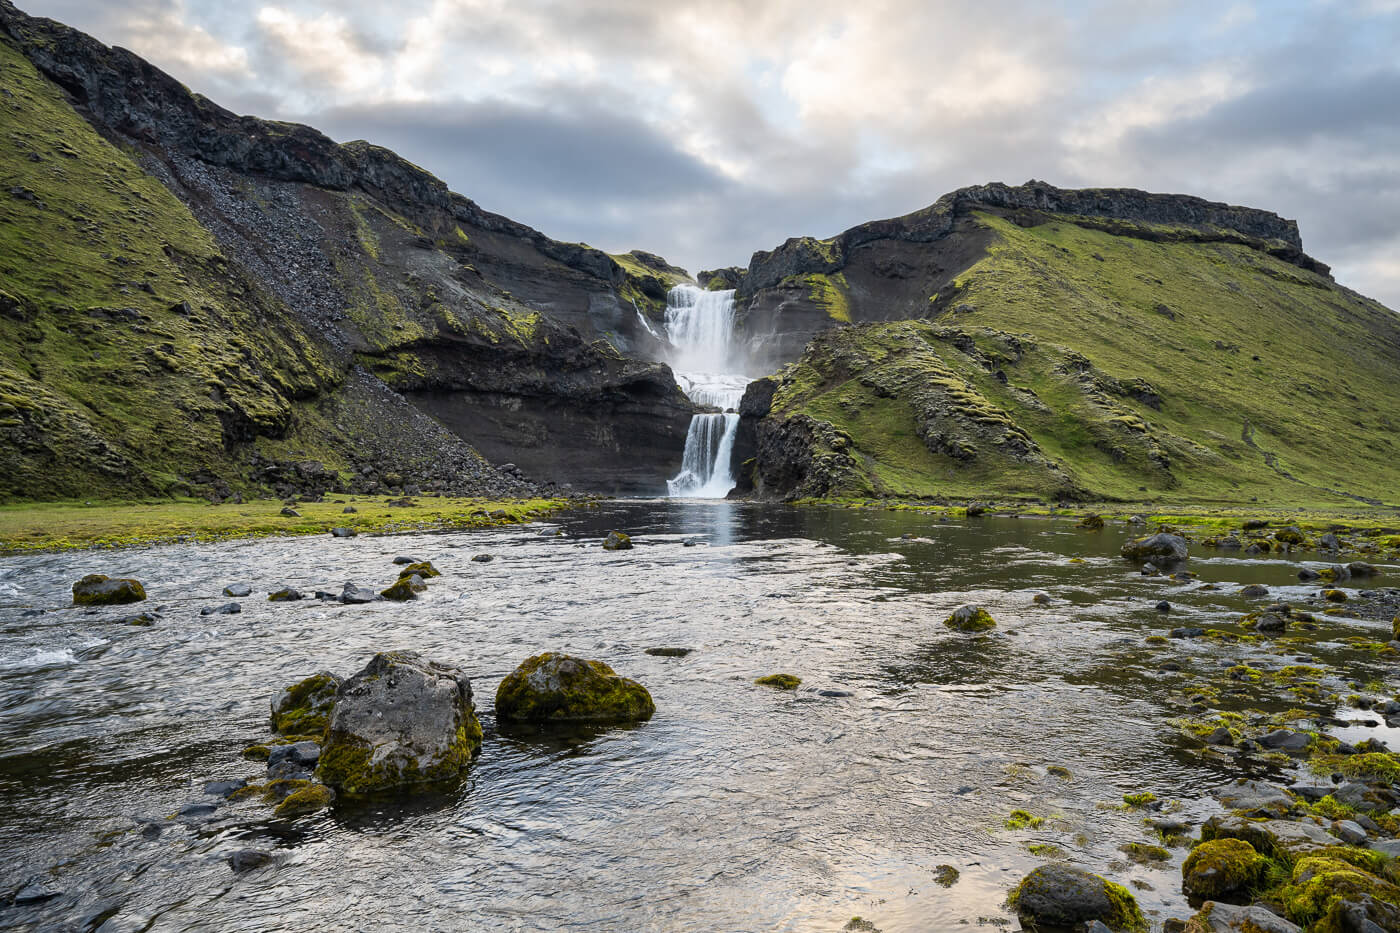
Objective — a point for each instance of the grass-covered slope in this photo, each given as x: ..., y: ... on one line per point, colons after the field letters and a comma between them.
x: 1073, y: 361
x: 130, y: 349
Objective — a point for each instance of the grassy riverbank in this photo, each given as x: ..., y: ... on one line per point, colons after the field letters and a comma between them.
x: 61, y: 526
x: 1382, y: 525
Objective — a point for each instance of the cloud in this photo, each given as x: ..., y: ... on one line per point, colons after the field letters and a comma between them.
x: 707, y: 129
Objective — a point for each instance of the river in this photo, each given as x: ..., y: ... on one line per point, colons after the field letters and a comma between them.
x: 736, y: 808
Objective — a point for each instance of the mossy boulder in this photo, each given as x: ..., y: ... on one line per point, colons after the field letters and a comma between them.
x: 779, y: 681
x: 306, y: 800
x: 1059, y: 895
x: 424, y: 569
x: 1328, y: 894
x: 405, y: 588
x: 304, y: 708
x: 1091, y: 523
x: 1292, y: 535
x: 555, y: 688
x: 284, y: 595
x: 401, y: 723
x: 1334, y: 596
x: 1222, y: 870
x: 95, y: 589
x: 1161, y: 547
x: 617, y: 541
x: 970, y: 619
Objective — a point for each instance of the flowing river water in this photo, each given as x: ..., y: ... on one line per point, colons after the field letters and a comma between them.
x: 736, y: 808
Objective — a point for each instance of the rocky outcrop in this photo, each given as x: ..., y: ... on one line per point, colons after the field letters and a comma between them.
x: 401, y: 722
x: 906, y: 267
x: 1059, y: 895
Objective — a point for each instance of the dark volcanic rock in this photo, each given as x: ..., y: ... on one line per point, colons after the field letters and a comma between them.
x: 96, y: 589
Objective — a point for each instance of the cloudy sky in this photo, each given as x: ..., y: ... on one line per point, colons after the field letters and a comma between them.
x: 707, y: 130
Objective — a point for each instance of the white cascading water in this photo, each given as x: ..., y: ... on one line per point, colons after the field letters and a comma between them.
x: 700, y: 326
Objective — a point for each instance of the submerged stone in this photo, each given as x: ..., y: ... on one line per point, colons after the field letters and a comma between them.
x: 95, y: 589
x: 424, y: 569
x: 779, y: 681
x: 1060, y: 895
x: 669, y: 652
x: 554, y: 687
x: 308, y: 799
x: 402, y: 722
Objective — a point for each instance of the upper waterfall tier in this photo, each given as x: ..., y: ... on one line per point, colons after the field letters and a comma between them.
x: 700, y: 325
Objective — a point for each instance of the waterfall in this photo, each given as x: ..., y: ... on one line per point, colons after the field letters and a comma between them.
x: 700, y: 326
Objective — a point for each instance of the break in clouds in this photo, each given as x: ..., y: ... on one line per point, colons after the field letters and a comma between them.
x: 706, y: 130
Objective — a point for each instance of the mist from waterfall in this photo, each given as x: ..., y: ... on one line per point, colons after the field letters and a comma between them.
x: 700, y: 326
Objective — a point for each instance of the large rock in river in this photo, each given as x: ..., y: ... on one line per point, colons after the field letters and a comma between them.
x: 96, y: 589
x: 555, y: 687
x: 400, y: 722
x: 1160, y: 547
x: 304, y: 708
x: 1058, y: 895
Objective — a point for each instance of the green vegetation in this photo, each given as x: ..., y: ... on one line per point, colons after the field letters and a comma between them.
x: 1114, y: 368
x: 1219, y: 868
x: 58, y: 526
x: 1023, y: 819
x: 779, y: 681
x: 831, y: 293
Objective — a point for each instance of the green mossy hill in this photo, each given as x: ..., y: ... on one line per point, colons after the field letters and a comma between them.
x: 558, y: 688
x: 1075, y: 362
x: 132, y: 352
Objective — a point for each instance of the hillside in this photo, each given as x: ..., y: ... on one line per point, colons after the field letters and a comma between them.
x: 1062, y: 355
x: 196, y: 302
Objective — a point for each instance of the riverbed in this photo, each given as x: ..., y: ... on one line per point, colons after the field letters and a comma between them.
x: 737, y: 807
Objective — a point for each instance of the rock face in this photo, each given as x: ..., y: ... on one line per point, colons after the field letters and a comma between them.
x: 400, y: 722
x: 336, y: 287
x: 1059, y: 895
x: 96, y: 589
x: 559, y: 688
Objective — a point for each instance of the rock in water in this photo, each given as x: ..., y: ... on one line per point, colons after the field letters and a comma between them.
x: 555, y: 687
x: 343, y: 532
x: 403, y: 721
x: 238, y: 590
x: 1057, y: 895
x: 98, y: 590
x: 308, y: 799
x: 780, y: 681
x: 1161, y: 546
x: 424, y: 569
x: 304, y: 708
x: 285, y: 595
x: 970, y: 619
x: 617, y: 541
x: 405, y: 588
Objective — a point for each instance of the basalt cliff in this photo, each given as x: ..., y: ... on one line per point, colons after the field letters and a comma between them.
x: 194, y: 301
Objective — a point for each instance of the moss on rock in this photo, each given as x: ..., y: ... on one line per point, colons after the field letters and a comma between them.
x: 306, y: 800
x: 424, y: 569
x: 970, y: 619
x: 1059, y: 895
x: 554, y: 687
x: 304, y: 708
x: 96, y: 589
x: 779, y: 681
x: 1221, y: 869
